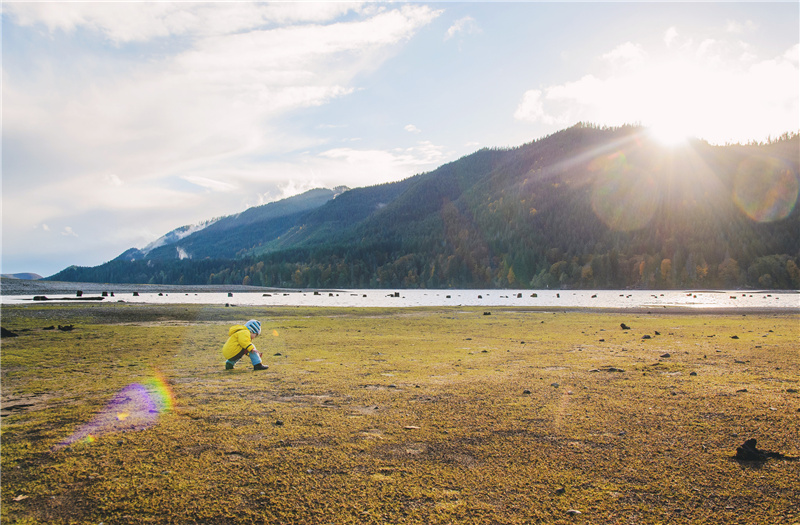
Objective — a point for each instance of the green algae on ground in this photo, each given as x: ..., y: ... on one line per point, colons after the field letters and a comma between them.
x: 402, y: 416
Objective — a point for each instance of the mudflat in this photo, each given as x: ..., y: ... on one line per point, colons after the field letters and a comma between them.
x: 122, y: 413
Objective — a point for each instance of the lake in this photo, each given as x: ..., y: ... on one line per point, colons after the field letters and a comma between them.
x: 617, y: 299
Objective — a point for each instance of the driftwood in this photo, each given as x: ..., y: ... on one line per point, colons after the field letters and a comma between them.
x: 45, y: 298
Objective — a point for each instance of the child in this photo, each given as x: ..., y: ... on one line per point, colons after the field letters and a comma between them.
x: 240, y: 343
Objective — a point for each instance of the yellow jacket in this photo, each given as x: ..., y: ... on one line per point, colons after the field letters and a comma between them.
x: 239, y: 340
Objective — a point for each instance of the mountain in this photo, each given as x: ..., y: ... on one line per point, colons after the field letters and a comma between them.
x: 585, y: 207
x: 135, y: 254
x: 332, y: 222
x: 23, y: 276
x: 227, y: 237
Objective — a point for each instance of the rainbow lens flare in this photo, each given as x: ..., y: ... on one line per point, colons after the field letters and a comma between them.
x: 765, y: 188
x: 158, y: 386
x: 625, y: 195
x: 135, y: 407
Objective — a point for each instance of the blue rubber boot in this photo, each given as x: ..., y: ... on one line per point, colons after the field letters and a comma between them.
x: 255, y: 358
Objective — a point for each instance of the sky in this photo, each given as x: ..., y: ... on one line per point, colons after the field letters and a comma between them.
x: 122, y: 121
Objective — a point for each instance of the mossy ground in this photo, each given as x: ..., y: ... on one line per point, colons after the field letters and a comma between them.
x: 402, y: 416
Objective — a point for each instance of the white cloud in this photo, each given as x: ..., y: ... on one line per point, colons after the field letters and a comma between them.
x: 706, y: 48
x: 411, y: 128
x: 736, y: 27
x: 211, y: 184
x: 706, y: 90
x: 627, y: 54
x: 670, y: 35
x: 373, y: 158
x: 365, y: 167
x: 531, y: 107
x: 290, y: 188
x: 425, y: 155
x: 466, y: 25
x: 68, y: 232
x: 792, y: 55
x: 113, y: 180
x: 199, y: 115
x: 143, y: 21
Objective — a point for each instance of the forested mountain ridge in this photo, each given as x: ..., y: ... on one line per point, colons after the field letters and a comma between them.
x: 584, y: 207
x: 333, y: 221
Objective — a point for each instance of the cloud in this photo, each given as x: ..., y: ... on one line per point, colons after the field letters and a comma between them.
x: 466, y: 25
x: 140, y: 22
x: 200, y: 112
x: 411, y: 128
x: 670, y: 35
x: 265, y: 181
x: 531, y: 107
x: 627, y: 54
x: 736, y: 27
x: 792, y: 55
x: 379, y: 166
x: 346, y: 166
x: 210, y: 184
x: 290, y: 188
x: 425, y: 155
x: 113, y: 180
x: 706, y: 89
x: 238, y: 82
x: 68, y: 232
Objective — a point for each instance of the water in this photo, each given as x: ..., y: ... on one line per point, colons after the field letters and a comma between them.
x: 488, y: 298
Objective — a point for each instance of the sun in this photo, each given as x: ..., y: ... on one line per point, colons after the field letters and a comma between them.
x: 670, y: 134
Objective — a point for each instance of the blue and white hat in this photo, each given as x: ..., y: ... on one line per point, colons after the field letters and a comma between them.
x: 254, y: 326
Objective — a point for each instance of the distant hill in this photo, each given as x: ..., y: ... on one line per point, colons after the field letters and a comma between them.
x: 586, y: 207
x: 24, y: 276
x: 228, y: 237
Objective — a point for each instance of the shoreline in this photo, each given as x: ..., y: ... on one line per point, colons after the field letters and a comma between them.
x: 13, y: 287
x: 121, y: 311
x: 25, y: 293
x: 10, y: 286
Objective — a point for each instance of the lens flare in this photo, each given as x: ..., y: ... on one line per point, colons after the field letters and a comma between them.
x: 624, y: 196
x: 161, y: 391
x: 135, y: 407
x: 765, y: 188
x: 670, y: 134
